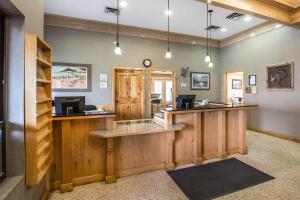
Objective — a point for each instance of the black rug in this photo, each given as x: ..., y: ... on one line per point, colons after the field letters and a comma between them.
x: 217, y: 179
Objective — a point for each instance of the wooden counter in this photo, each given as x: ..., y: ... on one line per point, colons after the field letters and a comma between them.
x: 136, y: 146
x: 78, y: 157
x: 210, y: 132
x: 94, y: 148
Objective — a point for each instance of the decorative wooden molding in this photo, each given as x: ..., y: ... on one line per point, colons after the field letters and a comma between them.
x: 274, y: 10
x: 104, y: 27
x: 257, y: 30
x: 275, y: 134
x: 296, y: 16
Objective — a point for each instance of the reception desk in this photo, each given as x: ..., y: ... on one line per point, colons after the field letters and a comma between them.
x: 78, y: 157
x: 137, y: 146
x: 95, y: 148
x: 213, y: 131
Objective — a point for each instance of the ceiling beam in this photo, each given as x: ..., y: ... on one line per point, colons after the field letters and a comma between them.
x: 296, y: 16
x: 104, y: 27
x: 279, y: 11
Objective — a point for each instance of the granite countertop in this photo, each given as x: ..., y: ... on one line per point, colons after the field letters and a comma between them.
x: 213, y: 106
x: 136, y: 127
x: 84, y: 114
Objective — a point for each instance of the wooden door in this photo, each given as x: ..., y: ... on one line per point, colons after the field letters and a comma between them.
x: 129, y: 94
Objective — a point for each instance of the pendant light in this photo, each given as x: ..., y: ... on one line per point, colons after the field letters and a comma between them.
x: 207, y: 57
x: 118, y: 50
x: 168, y: 53
x: 210, y: 63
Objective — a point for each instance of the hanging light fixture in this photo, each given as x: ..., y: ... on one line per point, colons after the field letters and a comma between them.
x: 210, y: 63
x: 207, y: 57
x: 118, y: 50
x: 168, y: 53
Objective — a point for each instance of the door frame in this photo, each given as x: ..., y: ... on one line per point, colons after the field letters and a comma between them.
x: 225, y: 83
x: 174, y: 74
x: 113, y: 85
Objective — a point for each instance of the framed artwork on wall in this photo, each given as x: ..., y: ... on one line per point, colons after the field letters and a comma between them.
x: 252, y: 80
x: 237, y: 84
x: 280, y: 76
x: 200, y: 81
x: 71, y: 77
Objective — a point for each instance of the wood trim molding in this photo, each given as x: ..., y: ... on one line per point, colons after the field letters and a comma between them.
x: 257, y: 30
x: 275, y: 134
x: 273, y: 10
x: 104, y: 27
x: 296, y: 16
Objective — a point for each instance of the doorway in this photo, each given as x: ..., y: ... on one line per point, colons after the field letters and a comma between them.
x: 162, y: 83
x: 128, y: 93
x: 234, y: 87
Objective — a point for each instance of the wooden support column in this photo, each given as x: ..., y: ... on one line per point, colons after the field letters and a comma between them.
x: 198, y: 154
x: 243, y: 149
x: 67, y: 184
x: 110, y: 171
x: 221, y: 135
x: 109, y: 123
x: 170, y: 150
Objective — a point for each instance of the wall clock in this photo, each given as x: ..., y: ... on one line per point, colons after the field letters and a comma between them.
x: 147, y: 63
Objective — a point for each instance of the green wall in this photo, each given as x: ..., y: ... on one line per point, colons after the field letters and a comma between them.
x: 77, y: 46
x: 279, y: 111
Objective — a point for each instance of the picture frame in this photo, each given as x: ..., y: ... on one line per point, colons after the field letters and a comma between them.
x: 71, y: 77
x: 280, y: 76
x: 252, y: 80
x: 237, y: 84
x: 200, y: 80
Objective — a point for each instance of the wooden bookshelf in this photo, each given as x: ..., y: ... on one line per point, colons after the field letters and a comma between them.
x: 38, y: 109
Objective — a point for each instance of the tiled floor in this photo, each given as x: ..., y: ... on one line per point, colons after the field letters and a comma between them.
x: 279, y: 158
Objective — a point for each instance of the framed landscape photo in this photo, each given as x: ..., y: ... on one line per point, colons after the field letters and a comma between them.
x: 280, y: 76
x: 237, y: 84
x: 200, y: 81
x: 71, y: 77
x: 252, y: 80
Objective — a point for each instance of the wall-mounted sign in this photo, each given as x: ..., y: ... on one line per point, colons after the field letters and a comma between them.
x: 103, y: 81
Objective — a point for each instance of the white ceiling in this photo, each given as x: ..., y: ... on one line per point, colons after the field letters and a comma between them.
x: 188, y: 16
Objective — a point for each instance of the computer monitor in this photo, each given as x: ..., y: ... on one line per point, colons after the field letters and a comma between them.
x: 185, y: 101
x: 69, y: 105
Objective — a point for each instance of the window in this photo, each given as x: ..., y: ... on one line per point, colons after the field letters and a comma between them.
x: 2, y: 133
x: 169, y: 91
x: 164, y: 87
x: 158, y: 87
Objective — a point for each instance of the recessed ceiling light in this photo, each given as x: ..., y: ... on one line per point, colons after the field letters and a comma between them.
x: 278, y: 25
x: 252, y: 34
x: 224, y: 29
x: 168, y: 12
x: 123, y: 4
x: 247, y: 18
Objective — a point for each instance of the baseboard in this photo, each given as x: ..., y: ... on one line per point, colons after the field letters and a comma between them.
x: 142, y: 169
x: 56, y: 185
x: 275, y: 134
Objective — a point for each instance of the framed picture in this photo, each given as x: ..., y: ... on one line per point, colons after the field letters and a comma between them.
x: 237, y: 84
x: 252, y: 80
x: 200, y: 81
x: 280, y: 76
x: 71, y: 77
